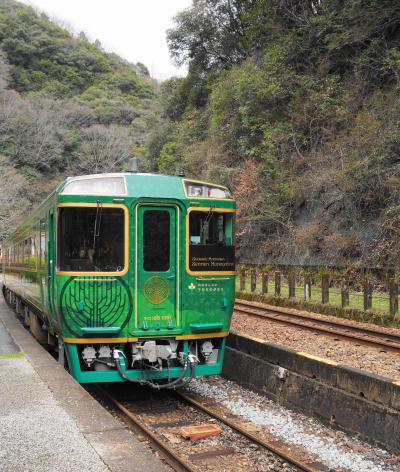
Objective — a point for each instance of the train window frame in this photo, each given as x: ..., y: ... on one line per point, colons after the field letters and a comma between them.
x: 126, y: 244
x: 189, y: 242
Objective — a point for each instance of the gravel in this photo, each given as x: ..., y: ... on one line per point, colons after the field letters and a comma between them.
x: 335, y: 449
x: 343, y: 352
x: 165, y: 414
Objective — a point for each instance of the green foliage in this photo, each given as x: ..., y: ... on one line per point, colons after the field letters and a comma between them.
x: 247, y: 103
x: 169, y: 158
x: 295, y: 105
x: 209, y: 34
x: 66, y: 107
x: 156, y: 141
x: 45, y: 57
x: 174, y: 98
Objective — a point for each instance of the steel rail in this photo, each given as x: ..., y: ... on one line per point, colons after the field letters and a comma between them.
x: 267, y: 445
x: 174, y: 460
x: 365, y: 336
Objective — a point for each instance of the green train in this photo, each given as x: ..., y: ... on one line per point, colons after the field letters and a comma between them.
x: 131, y: 275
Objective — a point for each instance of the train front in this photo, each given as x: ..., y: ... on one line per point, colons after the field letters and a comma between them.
x: 145, y: 277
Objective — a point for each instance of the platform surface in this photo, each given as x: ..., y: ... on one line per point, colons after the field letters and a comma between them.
x: 49, y: 423
x: 7, y: 345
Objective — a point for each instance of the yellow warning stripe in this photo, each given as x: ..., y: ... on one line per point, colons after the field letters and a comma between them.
x: 257, y: 340
x: 201, y: 336
x: 98, y: 340
x: 129, y: 340
x: 316, y: 358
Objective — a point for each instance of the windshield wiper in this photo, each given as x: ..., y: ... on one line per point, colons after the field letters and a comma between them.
x: 97, y: 223
x: 205, y: 226
x: 210, y: 214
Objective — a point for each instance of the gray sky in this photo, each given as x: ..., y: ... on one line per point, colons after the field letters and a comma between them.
x: 134, y: 29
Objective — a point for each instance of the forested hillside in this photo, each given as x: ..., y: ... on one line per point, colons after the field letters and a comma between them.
x: 66, y: 107
x: 295, y: 104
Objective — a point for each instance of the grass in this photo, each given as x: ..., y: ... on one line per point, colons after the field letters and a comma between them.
x: 380, y: 301
x: 14, y: 355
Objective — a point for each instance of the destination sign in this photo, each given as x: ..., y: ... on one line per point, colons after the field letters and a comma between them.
x: 211, y: 258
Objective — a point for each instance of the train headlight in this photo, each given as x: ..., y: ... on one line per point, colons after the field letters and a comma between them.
x: 200, y: 190
x: 195, y: 191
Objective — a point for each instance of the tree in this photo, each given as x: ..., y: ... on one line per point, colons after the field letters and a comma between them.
x: 102, y: 149
x: 169, y: 158
x: 174, y: 97
x: 142, y: 70
x: 13, y: 201
x: 210, y: 34
x: 4, y: 72
x: 31, y: 133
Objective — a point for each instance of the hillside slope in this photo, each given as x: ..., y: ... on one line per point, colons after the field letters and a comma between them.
x: 295, y: 105
x: 66, y: 107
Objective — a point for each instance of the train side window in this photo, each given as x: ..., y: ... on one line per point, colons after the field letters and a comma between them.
x: 11, y: 261
x: 27, y: 251
x: 156, y: 241
x: 42, y: 241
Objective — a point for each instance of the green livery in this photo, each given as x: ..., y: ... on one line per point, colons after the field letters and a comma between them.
x: 131, y: 275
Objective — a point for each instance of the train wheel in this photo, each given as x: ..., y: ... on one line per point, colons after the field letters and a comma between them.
x: 35, y: 325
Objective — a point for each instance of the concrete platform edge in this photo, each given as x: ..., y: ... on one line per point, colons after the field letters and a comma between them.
x: 116, y: 446
x: 354, y: 400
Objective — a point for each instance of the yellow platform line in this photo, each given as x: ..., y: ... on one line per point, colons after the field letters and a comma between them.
x: 316, y: 358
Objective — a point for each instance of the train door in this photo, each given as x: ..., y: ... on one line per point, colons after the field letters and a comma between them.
x: 157, y: 267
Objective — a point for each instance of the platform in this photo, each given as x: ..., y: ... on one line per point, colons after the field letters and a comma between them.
x: 48, y: 422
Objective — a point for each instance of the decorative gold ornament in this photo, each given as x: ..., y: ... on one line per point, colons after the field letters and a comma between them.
x: 156, y: 290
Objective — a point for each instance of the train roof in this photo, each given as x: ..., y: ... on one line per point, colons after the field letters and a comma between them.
x: 134, y: 185
x: 127, y: 184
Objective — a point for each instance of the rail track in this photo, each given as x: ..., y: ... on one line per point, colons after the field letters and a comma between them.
x: 159, y: 415
x: 337, y: 329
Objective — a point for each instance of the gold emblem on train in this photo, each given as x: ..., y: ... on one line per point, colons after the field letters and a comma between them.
x: 156, y: 290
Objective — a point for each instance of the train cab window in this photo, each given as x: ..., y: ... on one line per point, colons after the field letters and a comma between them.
x: 211, y: 246
x: 91, y: 239
x: 156, y: 240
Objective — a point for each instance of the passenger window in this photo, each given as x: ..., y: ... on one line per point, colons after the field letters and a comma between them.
x: 42, y: 242
x: 156, y: 240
